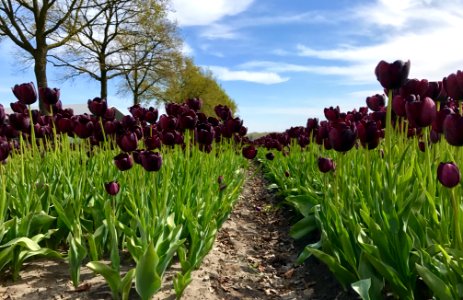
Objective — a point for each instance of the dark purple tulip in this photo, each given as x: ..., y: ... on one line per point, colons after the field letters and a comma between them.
x: 20, y: 122
x: 5, y: 149
x: 173, y: 109
x: 453, y: 129
x: 434, y: 136
x: 128, y: 142
x: 376, y: 102
x: 392, y: 75
x: 194, y: 103
x: 48, y: 95
x: 312, y: 124
x: 368, y: 134
x: 97, y: 106
x: 151, y: 115
x: 168, y: 137
x: 453, y: 85
x: 422, y: 146
x: 110, y: 114
x: 249, y: 151
x: 128, y: 121
x: 205, y: 134
x: 420, y: 113
x: 18, y: 107
x: 137, y: 111
x: 398, y: 106
x: 414, y: 87
x: 223, y: 112
x: 243, y: 131
x: 167, y: 122
x: 83, y: 127
x: 112, y: 187
x: 220, y: 179
x: 151, y: 161
x: 123, y: 161
x: 25, y: 93
x: 448, y: 174
x: 110, y: 127
x: 325, y: 165
x: 438, y: 124
x: 152, y: 142
x: 342, y: 136
x: 269, y: 156
x: 331, y: 113
x: 64, y: 125
x: 188, y: 120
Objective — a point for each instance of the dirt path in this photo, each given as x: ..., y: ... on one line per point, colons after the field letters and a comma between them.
x: 252, y: 258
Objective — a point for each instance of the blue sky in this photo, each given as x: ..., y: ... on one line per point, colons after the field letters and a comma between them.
x: 284, y: 61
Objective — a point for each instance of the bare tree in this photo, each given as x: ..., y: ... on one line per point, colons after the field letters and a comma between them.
x: 95, y: 51
x: 152, y: 55
x: 37, y: 26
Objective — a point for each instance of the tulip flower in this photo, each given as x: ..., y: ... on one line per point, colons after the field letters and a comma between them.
x: 110, y: 114
x: 151, y: 115
x: 376, y: 102
x: 331, y: 113
x: 414, y: 87
x: 128, y: 142
x: 112, y: 187
x: 223, y: 112
x: 48, y: 95
x: 269, y: 156
x: 420, y: 113
x: 18, y: 107
x: 249, y: 152
x: 151, y: 161
x: 97, y: 106
x: 392, y: 75
x: 25, y: 93
x: 325, y: 165
x: 368, y: 134
x: 448, y: 174
x: 5, y: 149
x: 453, y: 129
x: 453, y: 85
x: 342, y: 136
x: 194, y: 103
x: 123, y: 161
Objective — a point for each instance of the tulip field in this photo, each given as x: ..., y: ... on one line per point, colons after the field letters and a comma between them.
x: 380, y: 186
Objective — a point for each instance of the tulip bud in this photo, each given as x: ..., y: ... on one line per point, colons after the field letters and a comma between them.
x: 392, y: 75
x: 112, y: 187
x: 48, y: 95
x: 448, y: 174
x: 97, y: 106
x: 249, y: 152
x: 123, y: 161
x: 270, y: 156
x: 325, y: 165
x: 25, y: 93
x: 151, y: 161
x: 376, y: 102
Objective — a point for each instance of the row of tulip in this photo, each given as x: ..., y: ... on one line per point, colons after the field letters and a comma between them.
x: 89, y: 188
x: 381, y: 187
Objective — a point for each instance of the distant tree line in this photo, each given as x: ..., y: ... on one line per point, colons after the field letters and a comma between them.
x: 131, y: 40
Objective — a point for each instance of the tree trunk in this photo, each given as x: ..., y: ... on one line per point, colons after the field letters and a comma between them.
x: 40, y: 70
x: 104, y: 85
x: 136, y: 99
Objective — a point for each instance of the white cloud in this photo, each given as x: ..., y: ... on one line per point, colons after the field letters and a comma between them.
x: 226, y: 74
x: 187, y: 49
x: 205, y: 12
x: 426, y: 33
x: 219, y: 31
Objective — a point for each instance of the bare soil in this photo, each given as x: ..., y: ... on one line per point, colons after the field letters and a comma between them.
x: 253, y: 258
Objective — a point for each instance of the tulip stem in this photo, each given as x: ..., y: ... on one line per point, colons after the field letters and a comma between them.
x: 456, y: 221
x: 389, y: 129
